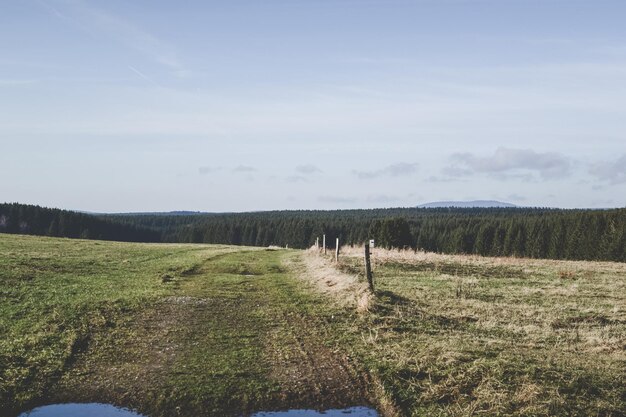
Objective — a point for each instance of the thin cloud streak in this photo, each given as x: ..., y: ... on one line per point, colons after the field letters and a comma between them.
x: 122, y: 31
x: 51, y: 9
x: 296, y: 179
x: 16, y: 82
x: 308, y: 169
x: 394, y: 170
x: 204, y: 170
x: 142, y: 75
x: 244, y: 168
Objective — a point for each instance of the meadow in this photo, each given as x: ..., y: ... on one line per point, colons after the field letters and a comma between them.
x: 165, y: 330
x: 173, y: 329
x: 468, y: 335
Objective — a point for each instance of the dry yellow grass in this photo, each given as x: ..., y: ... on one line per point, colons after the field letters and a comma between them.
x: 345, y: 289
x: 467, y: 335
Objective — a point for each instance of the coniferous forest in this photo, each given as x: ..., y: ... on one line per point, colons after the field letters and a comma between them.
x: 520, y: 232
x: 533, y: 233
x: 36, y: 220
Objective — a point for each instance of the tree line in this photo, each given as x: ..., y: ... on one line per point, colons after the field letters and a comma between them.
x: 521, y: 232
x: 42, y: 221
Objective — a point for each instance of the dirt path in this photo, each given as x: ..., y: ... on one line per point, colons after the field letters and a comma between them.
x: 239, y: 335
x: 311, y: 374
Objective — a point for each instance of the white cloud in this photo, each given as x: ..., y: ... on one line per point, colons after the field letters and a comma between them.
x: 244, y: 168
x: 508, y: 163
x: 394, y: 170
x: 308, y: 169
x: 613, y: 172
x: 204, y: 170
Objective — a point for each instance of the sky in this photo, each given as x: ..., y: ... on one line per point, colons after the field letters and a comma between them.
x: 247, y: 105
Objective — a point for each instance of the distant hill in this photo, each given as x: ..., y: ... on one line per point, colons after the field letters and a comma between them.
x: 156, y: 213
x: 467, y: 204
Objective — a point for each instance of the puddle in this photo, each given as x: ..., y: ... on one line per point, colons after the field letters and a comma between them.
x: 80, y: 410
x: 353, y: 412
x: 107, y: 410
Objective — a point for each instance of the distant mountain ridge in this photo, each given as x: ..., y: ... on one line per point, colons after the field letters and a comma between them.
x: 156, y: 213
x: 467, y: 204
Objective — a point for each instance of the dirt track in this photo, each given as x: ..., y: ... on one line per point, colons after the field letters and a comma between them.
x: 146, y: 362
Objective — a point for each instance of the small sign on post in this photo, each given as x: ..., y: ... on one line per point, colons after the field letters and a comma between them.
x: 337, y: 250
x: 368, y: 268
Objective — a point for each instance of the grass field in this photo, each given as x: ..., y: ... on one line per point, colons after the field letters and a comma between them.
x: 462, y: 335
x: 166, y: 329
x: 218, y: 330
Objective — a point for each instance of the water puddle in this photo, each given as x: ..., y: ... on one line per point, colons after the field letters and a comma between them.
x: 107, y: 410
x: 352, y: 412
x: 80, y: 410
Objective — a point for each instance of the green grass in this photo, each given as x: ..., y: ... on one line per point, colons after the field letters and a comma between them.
x: 217, y: 330
x: 165, y: 329
x: 56, y: 293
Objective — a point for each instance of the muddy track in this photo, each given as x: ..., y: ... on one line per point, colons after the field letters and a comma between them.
x: 136, y: 363
x: 151, y: 342
x: 312, y: 374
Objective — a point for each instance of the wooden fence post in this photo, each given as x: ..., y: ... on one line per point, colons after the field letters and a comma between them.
x: 368, y: 268
x: 324, y: 243
x: 337, y: 250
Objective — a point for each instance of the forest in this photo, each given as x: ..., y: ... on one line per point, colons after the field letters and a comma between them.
x: 520, y: 232
x: 42, y: 221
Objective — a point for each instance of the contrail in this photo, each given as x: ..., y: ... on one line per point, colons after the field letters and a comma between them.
x: 52, y: 9
x: 142, y: 75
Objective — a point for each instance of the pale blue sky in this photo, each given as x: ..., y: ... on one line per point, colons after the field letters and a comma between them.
x: 128, y: 105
